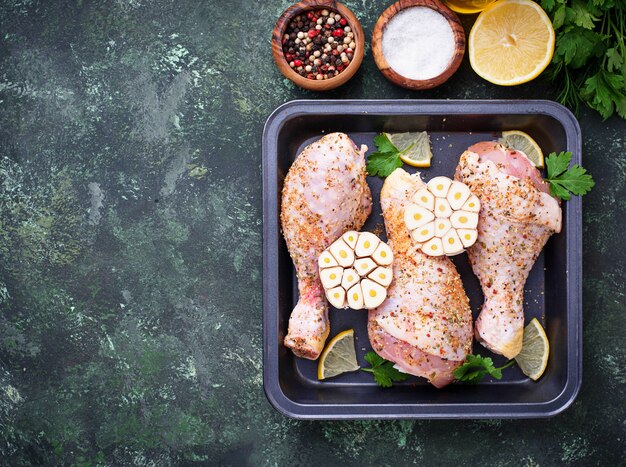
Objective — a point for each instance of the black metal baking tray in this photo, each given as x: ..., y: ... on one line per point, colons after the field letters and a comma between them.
x: 552, y: 293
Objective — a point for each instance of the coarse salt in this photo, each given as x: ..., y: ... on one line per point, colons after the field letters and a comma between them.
x: 418, y: 43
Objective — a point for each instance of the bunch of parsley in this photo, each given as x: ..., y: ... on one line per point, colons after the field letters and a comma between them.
x: 589, y: 63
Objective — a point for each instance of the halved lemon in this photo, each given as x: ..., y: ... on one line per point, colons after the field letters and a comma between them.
x: 521, y: 141
x: 533, y: 357
x: 414, y: 147
x: 338, y: 357
x: 511, y: 42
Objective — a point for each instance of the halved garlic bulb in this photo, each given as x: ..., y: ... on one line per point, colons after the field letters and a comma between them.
x: 442, y: 217
x: 356, y: 270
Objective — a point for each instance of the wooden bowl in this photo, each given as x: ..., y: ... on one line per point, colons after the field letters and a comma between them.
x: 390, y: 73
x: 281, y: 61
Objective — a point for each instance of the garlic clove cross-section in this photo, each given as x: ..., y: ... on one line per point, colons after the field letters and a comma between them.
x: 458, y: 195
x: 415, y: 216
x: 350, y: 238
x: 424, y: 233
x: 442, y: 217
x: 342, y: 253
x: 364, y: 265
x: 355, y: 270
x: 442, y: 208
x: 452, y: 243
x: 433, y: 247
x: 439, y: 186
x: 472, y: 204
x: 468, y: 236
x: 326, y: 260
x: 464, y: 220
x: 442, y: 226
x: 425, y: 199
x: 373, y: 294
x: 381, y: 275
x: 366, y: 244
x: 355, y: 297
x: 383, y: 254
x: 331, y: 277
x: 350, y: 277
x: 336, y: 296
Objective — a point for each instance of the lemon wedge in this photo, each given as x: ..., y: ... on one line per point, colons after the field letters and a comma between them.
x: 414, y: 147
x: 338, y: 357
x: 511, y: 42
x: 521, y: 141
x: 533, y: 358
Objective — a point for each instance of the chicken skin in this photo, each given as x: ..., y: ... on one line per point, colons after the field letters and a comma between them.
x: 517, y: 217
x: 325, y: 194
x: 425, y: 325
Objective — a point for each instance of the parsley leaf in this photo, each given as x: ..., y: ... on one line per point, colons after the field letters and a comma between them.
x: 384, y: 372
x: 385, y: 160
x: 605, y: 92
x: 581, y: 15
x: 476, y: 368
x: 547, y: 4
x: 578, y: 45
x: 557, y: 163
x: 383, y: 163
x: 565, y: 182
x: 615, y: 60
x: 559, y: 17
x: 383, y: 144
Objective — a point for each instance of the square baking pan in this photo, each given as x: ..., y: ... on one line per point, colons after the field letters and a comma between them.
x: 552, y: 292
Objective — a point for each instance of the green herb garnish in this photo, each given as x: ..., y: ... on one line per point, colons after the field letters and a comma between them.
x: 476, y: 368
x: 565, y: 182
x: 384, y: 372
x: 589, y: 62
x: 385, y: 160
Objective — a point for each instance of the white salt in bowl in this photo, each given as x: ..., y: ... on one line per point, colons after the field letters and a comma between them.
x: 418, y: 44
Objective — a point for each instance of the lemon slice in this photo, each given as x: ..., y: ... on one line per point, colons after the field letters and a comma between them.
x: 511, y: 42
x: 521, y: 141
x: 414, y: 147
x: 533, y: 358
x: 338, y: 357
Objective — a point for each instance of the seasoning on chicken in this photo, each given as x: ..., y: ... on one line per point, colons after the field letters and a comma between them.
x: 325, y: 194
x: 425, y: 324
x: 516, y: 218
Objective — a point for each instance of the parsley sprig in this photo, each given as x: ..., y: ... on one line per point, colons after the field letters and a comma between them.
x: 384, y: 372
x: 386, y: 159
x: 589, y: 62
x: 566, y: 182
x: 476, y: 368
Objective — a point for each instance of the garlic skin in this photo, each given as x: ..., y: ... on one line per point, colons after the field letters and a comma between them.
x: 355, y: 270
x: 442, y: 217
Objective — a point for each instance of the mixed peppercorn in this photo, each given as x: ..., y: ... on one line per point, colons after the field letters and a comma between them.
x: 319, y: 44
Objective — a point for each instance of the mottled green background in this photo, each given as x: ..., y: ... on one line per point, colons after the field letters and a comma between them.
x: 130, y: 250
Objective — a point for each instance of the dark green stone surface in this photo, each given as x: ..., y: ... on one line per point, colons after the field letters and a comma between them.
x: 130, y: 250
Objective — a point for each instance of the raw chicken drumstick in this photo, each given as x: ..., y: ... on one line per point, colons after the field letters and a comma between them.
x: 517, y: 217
x: 425, y: 325
x: 325, y: 194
